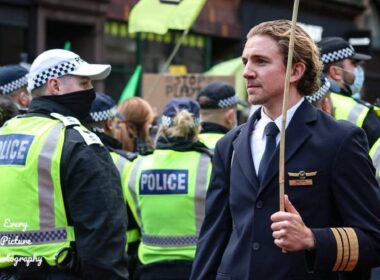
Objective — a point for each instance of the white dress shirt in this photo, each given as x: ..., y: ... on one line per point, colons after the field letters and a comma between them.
x: 258, y: 138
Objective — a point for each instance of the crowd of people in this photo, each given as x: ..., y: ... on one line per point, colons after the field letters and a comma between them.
x: 94, y: 190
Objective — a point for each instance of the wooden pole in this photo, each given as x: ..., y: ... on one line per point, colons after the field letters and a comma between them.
x: 169, y: 60
x: 285, y: 106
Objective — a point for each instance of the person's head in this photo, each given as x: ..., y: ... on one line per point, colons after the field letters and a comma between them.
x: 180, y: 118
x: 218, y: 102
x: 66, y: 78
x: 341, y: 61
x: 322, y: 97
x: 134, y: 131
x: 103, y: 115
x: 13, y: 82
x: 7, y: 109
x: 265, y: 57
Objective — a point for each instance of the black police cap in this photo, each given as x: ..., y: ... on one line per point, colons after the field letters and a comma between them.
x: 12, y: 78
x: 218, y: 95
x: 335, y: 49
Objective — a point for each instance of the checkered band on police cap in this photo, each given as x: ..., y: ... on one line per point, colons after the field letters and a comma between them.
x: 14, y: 85
x: 12, y: 78
x: 103, y: 115
x: 56, y: 63
x: 53, y: 72
x: 228, y: 102
x: 336, y: 49
x: 321, y: 92
x: 165, y: 120
x: 338, y: 55
x: 177, y: 104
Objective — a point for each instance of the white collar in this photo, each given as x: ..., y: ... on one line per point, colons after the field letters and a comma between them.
x: 265, y: 119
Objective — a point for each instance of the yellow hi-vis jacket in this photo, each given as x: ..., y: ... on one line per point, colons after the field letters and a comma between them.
x: 33, y: 221
x: 167, y: 191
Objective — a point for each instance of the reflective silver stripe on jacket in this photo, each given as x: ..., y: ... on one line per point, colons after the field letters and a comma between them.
x: 199, y: 199
x: 355, y: 113
x: 132, y: 185
x: 200, y: 190
x: 376, y: 162
x: 25, y: 238
x: 120, y: 164
x: 45, y: 180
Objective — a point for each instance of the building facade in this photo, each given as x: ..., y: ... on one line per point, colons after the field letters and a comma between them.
x: 98, y: 31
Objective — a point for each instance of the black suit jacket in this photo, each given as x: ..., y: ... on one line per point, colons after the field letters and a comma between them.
x: 330, y: 180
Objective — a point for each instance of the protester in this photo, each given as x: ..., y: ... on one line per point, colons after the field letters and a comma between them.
x: 134, y: 131
x: 218, y: 102
x: 331, y: 221
x: 13, y: 82
x: 340, y: 64
x: 7, y: 109
x: 58, y: 180
x: 168, y: 189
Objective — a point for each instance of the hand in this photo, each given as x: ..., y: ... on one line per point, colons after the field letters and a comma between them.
x: 289, y: 231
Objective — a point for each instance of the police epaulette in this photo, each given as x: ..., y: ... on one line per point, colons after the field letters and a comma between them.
x: 89, y: 137
x: 66, y: 120
x: 128, y: 155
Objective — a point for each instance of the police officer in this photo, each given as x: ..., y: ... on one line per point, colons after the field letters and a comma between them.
x: 13, y: 82
x: 168, y: 189
x: 322, y: 97
x: 218, y: 102
x: 7, y: 109
x: 60, y: 193
x: 340, y: 61
x: 103, y: 122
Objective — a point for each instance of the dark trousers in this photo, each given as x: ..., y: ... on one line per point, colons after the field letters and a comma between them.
x: 168, y: 270
x: 12, y: 274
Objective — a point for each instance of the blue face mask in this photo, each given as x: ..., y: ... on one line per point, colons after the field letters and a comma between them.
x: 359, y: 80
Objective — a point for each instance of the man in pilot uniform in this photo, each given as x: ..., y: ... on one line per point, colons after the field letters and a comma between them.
x: 331, y: 226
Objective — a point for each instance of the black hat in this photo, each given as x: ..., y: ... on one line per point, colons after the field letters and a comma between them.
x: 12, y: 78
x: 103, y: 108
x: 321, y: 92
x: 218, y: 95
x: 335, y: 49
x: 177, y: 104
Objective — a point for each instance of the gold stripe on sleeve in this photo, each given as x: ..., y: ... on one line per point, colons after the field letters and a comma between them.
x: 339, y: 253
x: 346, y: 249
x: 354, y: 249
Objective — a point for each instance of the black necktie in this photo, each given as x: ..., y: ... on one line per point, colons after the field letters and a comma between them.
x: 271, y: 130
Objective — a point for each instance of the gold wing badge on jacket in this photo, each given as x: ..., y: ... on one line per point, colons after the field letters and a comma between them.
x: 301, y: 178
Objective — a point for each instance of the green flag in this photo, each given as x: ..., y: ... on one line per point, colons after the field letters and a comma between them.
x: 67, y: 46
x: 132, y: 85
x: 157, y: 16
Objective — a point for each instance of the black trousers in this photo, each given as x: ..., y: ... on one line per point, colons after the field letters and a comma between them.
x: 168, y: 270
x: 13, y: 274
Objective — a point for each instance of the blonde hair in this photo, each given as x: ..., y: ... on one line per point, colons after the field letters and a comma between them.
x: 183, y: 125
x: 305, y: 51
x: 137, y: 113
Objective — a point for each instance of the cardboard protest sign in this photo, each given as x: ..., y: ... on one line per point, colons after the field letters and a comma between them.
x: 158, y: 89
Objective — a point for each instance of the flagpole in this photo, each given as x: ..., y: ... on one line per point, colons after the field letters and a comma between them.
x: 285, y: 107
x: 169, y: 60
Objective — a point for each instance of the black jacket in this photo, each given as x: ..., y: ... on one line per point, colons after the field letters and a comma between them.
x: 208, y: 127
x: 93, y: 199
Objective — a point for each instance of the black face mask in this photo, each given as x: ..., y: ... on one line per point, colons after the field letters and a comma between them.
x: 78, y: 102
